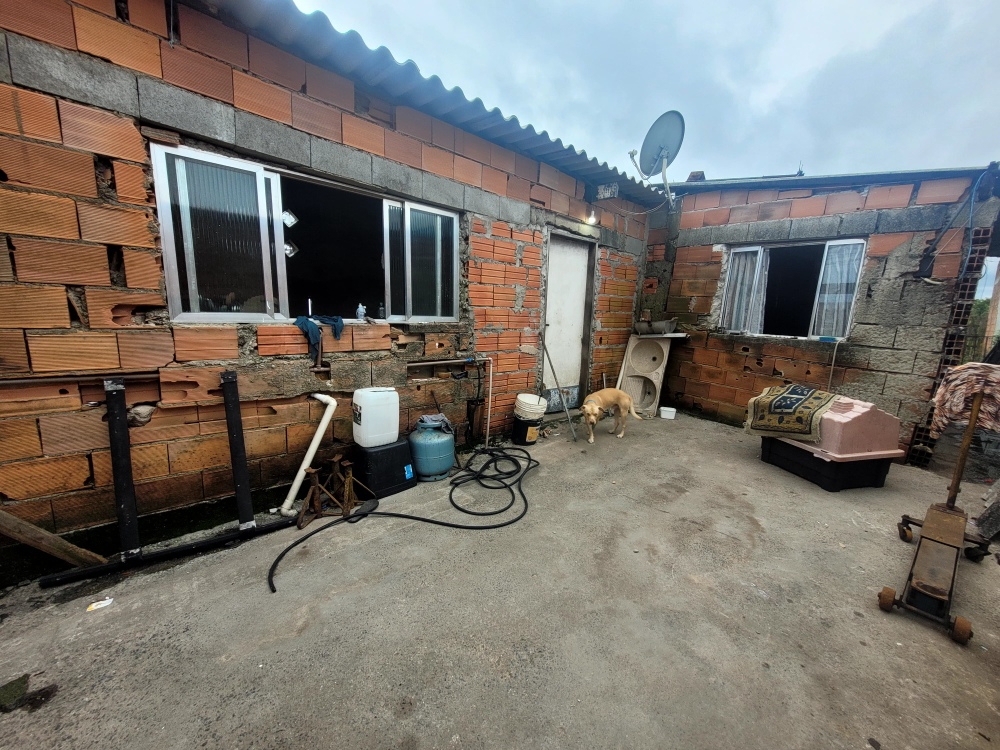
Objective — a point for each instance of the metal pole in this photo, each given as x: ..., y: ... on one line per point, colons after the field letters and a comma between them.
x: 121, y: 469
x: 237, y: 450
x: 562, y: 396
x: 963, y: 452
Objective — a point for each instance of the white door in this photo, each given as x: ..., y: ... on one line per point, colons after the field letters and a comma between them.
x: 565, y: 305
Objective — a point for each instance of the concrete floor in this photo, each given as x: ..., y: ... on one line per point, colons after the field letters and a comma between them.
x: 668, y: 590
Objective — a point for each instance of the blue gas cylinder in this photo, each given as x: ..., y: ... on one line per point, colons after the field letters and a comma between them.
x: 433, y: 447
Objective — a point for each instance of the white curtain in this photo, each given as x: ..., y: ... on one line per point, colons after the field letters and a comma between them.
x: 740, y: 290
x: 837, y: 289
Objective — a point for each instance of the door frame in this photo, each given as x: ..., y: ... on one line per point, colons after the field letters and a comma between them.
x: 590, y: 296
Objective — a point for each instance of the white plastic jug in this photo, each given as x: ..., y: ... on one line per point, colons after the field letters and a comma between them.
x: 376, y: 416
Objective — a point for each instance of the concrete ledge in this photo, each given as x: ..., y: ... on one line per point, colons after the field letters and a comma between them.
x: 443, y: 192
x: 914, y: 219
x: 262, y: 136
x: 340, y: 161
x: 770, y: 231
x: 857, y: 224
x: 175, y: 108
x: 72, y: 75
x: 479, y: 201
x: 815, y: 227
x: 396, y: 177
x: 513, y: 211
x: 690, y: 237
x: 728, y: 233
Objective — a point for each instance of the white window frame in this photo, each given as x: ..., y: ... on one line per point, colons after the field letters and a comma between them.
x: 758, y: 249
x: 264, y: 177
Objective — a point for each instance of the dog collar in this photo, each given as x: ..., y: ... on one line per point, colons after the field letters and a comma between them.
x: 590, y: 401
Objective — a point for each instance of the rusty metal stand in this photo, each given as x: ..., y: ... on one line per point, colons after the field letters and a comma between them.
x: 930, y: 585
x: 342, y: 476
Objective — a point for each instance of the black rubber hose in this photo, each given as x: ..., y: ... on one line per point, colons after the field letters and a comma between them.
x: 503, y: 468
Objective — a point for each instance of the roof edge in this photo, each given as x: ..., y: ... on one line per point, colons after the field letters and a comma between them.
x: 839, y: 180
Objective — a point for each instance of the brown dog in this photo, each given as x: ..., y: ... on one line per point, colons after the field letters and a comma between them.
x: 619, y: 402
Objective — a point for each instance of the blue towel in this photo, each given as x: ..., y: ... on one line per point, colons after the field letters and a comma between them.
x: 311, y: 331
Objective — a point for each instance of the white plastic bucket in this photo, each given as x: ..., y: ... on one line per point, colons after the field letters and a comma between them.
x: 530, y: 407
x: 667, y: 412
x: 376, y: 416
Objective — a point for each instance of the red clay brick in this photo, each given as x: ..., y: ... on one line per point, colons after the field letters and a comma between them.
x: 707, y: 200
x: 742, y: 214
x: 412, y: 123
x: 36, y: 399
x: 277, y: 65
x: 80, y: 350
x: 762, y: 196
x: 113, y: 308
x: 880, y: 245
x: 541, y: 195
x: 889, y: 196
x: 442, y: 134
x: 559, y: 203
x: 525, y: 168
x: 774, y: 210
x: 733, y: 198
x: 205, y: 342
x: 502, y: 158
x: 48, y: 20
x: 518, y: 189
x: 316, y: 118
x: 842, y: 203
x: 44, y: 476
x: 145, y: 350
x: 468, y: 171
x: 37, y: 214
x: 115, y: 226
x: 364, y: 134
x: 47, y: 167
x: 475, y: 148
x: 329, y: 87
x: 44, y: 261
x: 942, y: 191
x: 438, y: 161
x: 196, y: 72
x: 13, y: 352
x: 107, y: 7
x: 19, y: 439
x: 29, y: 114
x: 212, y: 37
x: 789, y: 194
x: 74, y: 432
x: 403, y: 149
x: 947, y: 265
x: 716, y: 217
x: 150, y: 15
x: 262, y: 98
x: 692, y: 219
x: 118, y: 42
x: 143, y: 270
x: 814, y: 206
x: 494, y: 181
x: 101, y: 132
x: 148, y: 462
x: 548, y: 176
x: 130, y: 183
x: 33, y: 307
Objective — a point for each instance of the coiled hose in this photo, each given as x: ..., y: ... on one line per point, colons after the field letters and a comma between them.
x: 501, y: 468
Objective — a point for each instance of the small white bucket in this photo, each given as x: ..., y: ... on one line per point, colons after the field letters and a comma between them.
x: 667, y: 412
x: 529, y: 406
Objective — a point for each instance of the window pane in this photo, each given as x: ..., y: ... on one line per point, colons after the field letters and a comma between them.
x: 447, y: 251
x: 425, y: 262
x: 397, y: 262
x: 269, y: 188
x: 739, y: 290
x: 217, y: 225
x: 837, y: 289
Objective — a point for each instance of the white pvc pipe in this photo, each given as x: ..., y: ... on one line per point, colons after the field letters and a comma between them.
x: 489, y: 405
x: 331, y: 405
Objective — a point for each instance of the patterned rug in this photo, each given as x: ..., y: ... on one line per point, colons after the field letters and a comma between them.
x: 792, y: 411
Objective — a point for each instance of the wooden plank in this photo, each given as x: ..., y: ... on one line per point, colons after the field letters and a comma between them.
x: 47, y: 542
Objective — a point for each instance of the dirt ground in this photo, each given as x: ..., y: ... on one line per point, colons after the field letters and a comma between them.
x: 668, y: 590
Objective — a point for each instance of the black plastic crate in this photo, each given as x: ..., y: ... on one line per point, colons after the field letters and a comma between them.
x: 385, y: 469
x: 832, y: 476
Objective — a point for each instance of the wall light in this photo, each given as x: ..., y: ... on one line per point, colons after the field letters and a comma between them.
x: 290, y: 249
x: 592, y: 219
x: 289, y: 219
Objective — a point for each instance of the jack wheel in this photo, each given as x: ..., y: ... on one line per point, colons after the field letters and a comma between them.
x: 885, y: 599
x: 961, y: 630
x: 905, y: 532
x: 976, y: 554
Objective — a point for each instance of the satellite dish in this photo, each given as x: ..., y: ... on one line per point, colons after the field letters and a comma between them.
x: 660, y: 148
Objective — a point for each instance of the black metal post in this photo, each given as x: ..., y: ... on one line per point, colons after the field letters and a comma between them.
x: 237, y: 450
x: 121, y: 469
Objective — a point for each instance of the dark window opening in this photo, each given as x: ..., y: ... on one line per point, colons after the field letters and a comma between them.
x: 338, y: 261
x: 792, y: 276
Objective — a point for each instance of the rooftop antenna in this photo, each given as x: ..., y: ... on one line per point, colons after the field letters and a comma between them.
x: 659, y: 149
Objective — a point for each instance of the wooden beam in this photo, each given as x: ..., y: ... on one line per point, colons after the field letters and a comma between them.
x: 46, y: 541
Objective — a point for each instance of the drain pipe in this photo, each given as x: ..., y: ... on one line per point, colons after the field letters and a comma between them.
x: 331, y: 405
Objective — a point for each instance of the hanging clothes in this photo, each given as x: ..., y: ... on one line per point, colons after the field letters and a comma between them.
x: 311, y: 331
x: 953, y: 400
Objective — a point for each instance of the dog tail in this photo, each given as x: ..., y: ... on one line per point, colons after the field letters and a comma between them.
x: 631, y: 410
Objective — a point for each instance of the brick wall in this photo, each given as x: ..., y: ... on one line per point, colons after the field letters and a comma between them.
x: 82, y: 293
x: 893, y: 353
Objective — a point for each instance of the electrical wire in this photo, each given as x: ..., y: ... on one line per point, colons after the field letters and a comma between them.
x: 502, y: 468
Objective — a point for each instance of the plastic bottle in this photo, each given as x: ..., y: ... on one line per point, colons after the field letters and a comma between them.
x: 381, y: 310
x: 360, y: 312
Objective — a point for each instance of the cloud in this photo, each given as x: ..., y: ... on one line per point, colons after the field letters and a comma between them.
x: 842, y: 86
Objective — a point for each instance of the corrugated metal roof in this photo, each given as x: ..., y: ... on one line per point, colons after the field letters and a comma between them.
x: 314, y: 38
x: 790, y: 182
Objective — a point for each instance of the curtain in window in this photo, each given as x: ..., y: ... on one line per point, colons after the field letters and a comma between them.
x: 218, y: 224
x: 738, y: 312
x: 837, y: 289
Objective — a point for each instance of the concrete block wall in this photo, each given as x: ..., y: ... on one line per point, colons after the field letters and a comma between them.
x: 893, y: 353
x: 83, y: 90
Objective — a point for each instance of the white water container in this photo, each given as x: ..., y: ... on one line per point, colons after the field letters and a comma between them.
x: 376, y: 416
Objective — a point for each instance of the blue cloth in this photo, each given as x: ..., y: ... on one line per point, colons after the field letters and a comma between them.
x: 311, y: 331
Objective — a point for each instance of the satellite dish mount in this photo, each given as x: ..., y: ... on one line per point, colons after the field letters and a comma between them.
x: 659, y: 149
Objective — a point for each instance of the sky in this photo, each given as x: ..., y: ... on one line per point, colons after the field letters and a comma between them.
x: 835, y: 86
